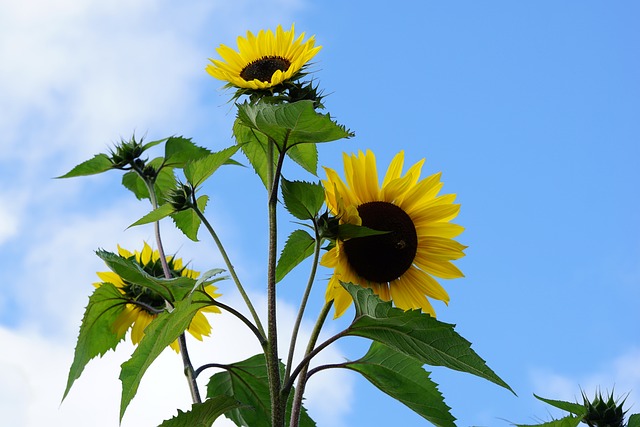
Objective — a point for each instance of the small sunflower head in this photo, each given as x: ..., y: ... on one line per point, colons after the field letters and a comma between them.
x: 265, y: 63
x: 603, y: 413
x: 143, y: 304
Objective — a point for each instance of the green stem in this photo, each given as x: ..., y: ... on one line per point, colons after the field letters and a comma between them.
x: 273, y: 366
x: 182, y: 342
x: 303, y: 303
x: 232, y: 270
x: 303, y: 368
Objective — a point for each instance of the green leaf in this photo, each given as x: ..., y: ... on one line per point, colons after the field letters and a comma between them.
x: 204, y: 277
x: 199, y: 170
x: 634, y: 421
x: 155, y: 215
x: 188, y: 220
x: 568, y: 421
x: 130, y: 271
x: 415, y: 334
x: 178, y: 151
x: 299, y: 247
x: 403, y: 378
x: 160, y: 333
x: 291, y: 124
x: 97, y: 335
x: 165, y: 181
x: 248, y: 383
x: 254, y: 147
x: 306, y: 155
x: 98, y: 164
x: 302, y: 199
x: 203, y: 414
x: 574, y: 408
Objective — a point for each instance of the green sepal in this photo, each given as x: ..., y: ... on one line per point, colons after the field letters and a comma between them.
x: 203, y: 414
x: 161, y: 332
x: 302, y: 199
x: 150, y: 144
x: 574, y: 408
x: 197, y: 171
x: 415, y: 334
x: 155, y: 215
x: 568, y: 421
x: 178, y: 151
x: 97, y: 335
x: 291, y: 123
x: 254, y: 147
x: 403, y: 378
x: 299, y: 246
x: 98, y: 164
x: 188, y: 220
x: 130, y: 271
x: 350, y: 231
x: 247, y: 382
x: 634, y: 421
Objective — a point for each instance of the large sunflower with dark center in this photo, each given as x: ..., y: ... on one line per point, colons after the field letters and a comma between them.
x: 400, y: 264
x: 263, y: 61
x: 144, y: 304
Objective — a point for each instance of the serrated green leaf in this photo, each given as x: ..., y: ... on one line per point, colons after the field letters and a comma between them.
x: 634, y: 421
x: 247, y: 382
x: 574, y: 408
x: 404, y: 379
x: 291, y: 124
x: 188, y: 221
x: 415, y: 334
x: 298, y: 247
x: 178, y: 151
x: 155, y: 215
x: 254, y: 147
x: 306, y: 155
x: 568, y: 421
x: 97, y: 335
x: 161, y: 332
x: 98, y: 164
x: 203, y: 414
x: 130, y: 271
x: 199, y: 170
x: 302, y: 199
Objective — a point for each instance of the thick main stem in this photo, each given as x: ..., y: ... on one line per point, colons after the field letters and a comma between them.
x: 277, y: 408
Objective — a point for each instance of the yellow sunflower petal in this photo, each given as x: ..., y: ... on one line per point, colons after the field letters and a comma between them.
x: 111, y: 277
x: 142, y: 321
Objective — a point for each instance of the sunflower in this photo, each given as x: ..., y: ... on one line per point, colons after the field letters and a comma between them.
x: 263, y: 61
x: 145, y: 304
x: 398, y: 265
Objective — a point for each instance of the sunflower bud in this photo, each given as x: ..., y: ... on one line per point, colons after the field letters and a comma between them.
x: 127, y: 153
x: 328, y: 226
x: 601, y: 413
x: 181, y: 198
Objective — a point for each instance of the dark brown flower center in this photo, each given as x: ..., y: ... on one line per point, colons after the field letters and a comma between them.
x: 384, y: 257
x: 264, y: 68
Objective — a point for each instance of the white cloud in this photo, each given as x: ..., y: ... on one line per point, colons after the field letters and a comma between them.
x: 622, y: 375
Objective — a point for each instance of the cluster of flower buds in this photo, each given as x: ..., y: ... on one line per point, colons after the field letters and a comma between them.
x: 603, y: 413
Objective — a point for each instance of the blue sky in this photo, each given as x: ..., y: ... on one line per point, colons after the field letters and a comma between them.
x: 530, y: 110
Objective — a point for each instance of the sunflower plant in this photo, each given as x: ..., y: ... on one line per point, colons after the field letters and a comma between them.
x: 387, y: 240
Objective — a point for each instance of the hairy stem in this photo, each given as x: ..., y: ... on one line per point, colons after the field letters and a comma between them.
x: 232, y: 270
x: 303, y: 368
x: 182, y: 342
x: 303, y: 303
